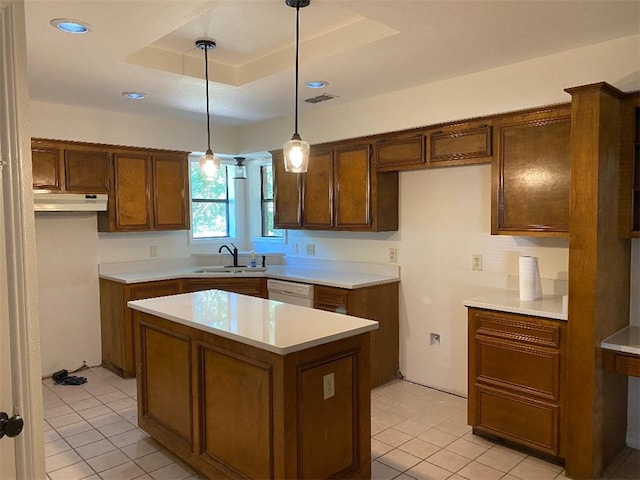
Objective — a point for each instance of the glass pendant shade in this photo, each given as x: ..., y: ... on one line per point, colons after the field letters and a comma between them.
x: 296, y: 155
x: 241, y: 170
x: 209, y: 165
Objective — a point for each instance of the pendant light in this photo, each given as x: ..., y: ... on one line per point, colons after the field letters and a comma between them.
x: 209, y: 164
x: 296, y: 150
x: 241, y: 170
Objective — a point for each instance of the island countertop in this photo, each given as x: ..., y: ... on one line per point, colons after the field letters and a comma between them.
x: 266, y: 324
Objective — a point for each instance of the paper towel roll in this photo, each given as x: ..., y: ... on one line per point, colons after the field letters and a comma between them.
x: 530, y: 286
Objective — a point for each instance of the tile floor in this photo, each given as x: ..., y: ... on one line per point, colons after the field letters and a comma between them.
x: 417, y: 433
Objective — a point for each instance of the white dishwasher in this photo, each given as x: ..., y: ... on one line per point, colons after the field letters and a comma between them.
x: 290, y: 292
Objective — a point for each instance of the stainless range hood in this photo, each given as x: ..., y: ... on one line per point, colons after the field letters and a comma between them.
x: 69, y: 202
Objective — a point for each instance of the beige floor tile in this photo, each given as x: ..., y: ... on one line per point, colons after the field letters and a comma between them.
x: 51, y: 435
x: 403, y: 476
x: 115, y: 428
x: 411, y: 427
x: 112, y: 396
x: 478, y: 471
x: 455, y: 425
x: 141, y: 448
x: 393, y: 437
x: 93, y: 412
x: 85, y: 404
x: 428, y: 471
x: 73, y: 472
x: 57, y: 411
x: 127, y: 438
x: 377, y: 427
x: 448, y: 460
x: 92, y: 450
x: 628, y: 470
x: 471, y: 437
x: 155, y: 460
x: 55, y: 447
x: 400, y: 460
x: 107, y: 461
x: 61, y: 460
x: 419, y: 448
x: 538, y: 462
x: 84, y: 438
x: 379, y: 448
x: 174, y: 471
x: 499, y: 459
x: 526, y: 470
x: 380, y: 471
x: 106, y: 419
x: 437, y: 437
x: 64, y: 420
x: 126, y: 471
x: 466, y: 449
x: 74, y: 429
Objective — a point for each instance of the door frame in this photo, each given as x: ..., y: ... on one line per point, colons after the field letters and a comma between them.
x: 20, y: 248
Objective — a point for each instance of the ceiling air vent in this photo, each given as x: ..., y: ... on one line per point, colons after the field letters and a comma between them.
x: 320, y: 98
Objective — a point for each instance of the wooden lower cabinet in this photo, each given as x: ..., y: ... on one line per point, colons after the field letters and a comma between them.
x: 232, y: 410
x: 516, y: 365
x: 116, y: 323
x: 255, y: 286
x: 379, y: 303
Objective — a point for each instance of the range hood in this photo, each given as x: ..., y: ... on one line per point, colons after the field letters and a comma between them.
x: 69, y: 202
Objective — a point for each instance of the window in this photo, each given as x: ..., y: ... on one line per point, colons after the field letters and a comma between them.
x: 209, y: 204
x: 267, y: 205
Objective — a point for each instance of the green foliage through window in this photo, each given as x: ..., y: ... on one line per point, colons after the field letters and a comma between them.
x: 268, y: 221
x: 209, y: 204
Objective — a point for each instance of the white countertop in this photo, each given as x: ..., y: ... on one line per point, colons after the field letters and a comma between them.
x: 318, y: 276
x: 626, y: 340
x: 274, y: 326
x: 550, y: 306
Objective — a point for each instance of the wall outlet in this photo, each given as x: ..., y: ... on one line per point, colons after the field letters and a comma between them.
x: 434, y: 339
x: 153, y: 250
x: 393, y: 255
x: 311, y: 248
x: 476, y: 262
x: 329, y: 385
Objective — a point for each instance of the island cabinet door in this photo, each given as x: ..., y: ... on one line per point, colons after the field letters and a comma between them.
x: 165, y: 407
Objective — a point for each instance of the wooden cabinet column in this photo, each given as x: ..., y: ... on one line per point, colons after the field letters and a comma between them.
x: 599, y: 268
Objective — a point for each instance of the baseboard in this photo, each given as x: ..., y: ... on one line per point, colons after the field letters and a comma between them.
x: 633, y: 440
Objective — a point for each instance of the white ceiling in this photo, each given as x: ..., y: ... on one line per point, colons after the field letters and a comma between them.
x: 361, y: 47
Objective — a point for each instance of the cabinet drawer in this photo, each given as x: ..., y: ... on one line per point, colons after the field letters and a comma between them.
x: 406, y: 152
x: 538, y: 332
x: 458, y: 144
x: 527, y: 422
x: 331, y: 299
x: 154, y: 289
x: 245, y: 286
x: 528, y: 370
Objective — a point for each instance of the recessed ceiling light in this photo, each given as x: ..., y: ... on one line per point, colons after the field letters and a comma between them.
x: 317, y: 84
x: 134, y: 95
x: 69, y: 25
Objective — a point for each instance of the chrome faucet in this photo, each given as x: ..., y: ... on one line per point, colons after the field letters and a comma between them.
x: 234, y: 253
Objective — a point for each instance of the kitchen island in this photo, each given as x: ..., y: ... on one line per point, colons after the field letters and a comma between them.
x: 242, y: 387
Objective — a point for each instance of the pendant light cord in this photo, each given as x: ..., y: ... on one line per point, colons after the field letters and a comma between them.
x: 206, y: 76
x: 297, y: 47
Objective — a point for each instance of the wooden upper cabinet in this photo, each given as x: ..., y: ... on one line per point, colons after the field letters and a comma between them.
x: 170, y: 192
x: 70, y: 167
x: 531, y: 173
x: 287, y: 191
x: 402, y: 151
x: 46, y: 166
x: 459, y: 144
x: 317, y: 192
x: 353, y: 192
x: 150, y: 192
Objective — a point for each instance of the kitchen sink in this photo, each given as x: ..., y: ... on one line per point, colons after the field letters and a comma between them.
x: 229, y: 269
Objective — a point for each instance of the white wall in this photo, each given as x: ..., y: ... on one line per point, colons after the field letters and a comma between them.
x: 444, y: 214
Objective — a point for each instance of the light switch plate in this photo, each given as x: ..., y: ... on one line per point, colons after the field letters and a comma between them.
x: 329, y: 385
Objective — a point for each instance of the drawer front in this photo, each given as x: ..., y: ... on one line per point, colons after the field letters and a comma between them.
x: 459, y: 144
x: 527, y: 370
x: 538, y: 332
x: 155, y: 289
x: 246, y: 286
x: 400, y: 152
x: 529, y: 423
x: 331, y: 299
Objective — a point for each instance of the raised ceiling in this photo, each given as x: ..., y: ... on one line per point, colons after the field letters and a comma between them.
x: 363, y: 48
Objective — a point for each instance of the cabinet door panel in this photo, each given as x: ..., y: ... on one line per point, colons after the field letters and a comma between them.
x: 534, y: 424
x: 132, y: 192
x: 86, y: 171
x: 170, y: 193
x: 353, y: 192
x: 460, y: 144
x: 532, y: 175
x: 46, y: 167
x: 403, y: 152
x: 287, y: 193
x: 317, y: 211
